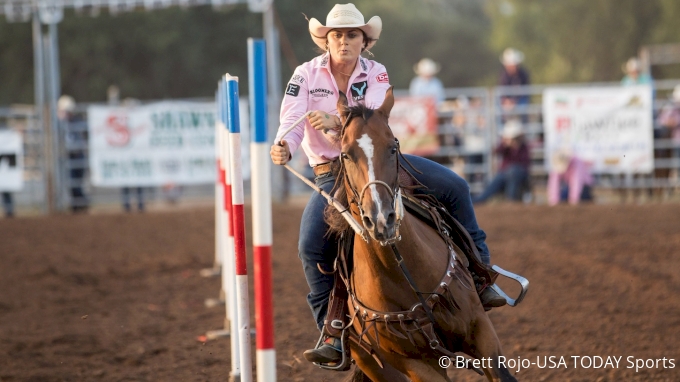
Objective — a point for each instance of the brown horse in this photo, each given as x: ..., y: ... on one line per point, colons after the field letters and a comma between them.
x: 388, y: 314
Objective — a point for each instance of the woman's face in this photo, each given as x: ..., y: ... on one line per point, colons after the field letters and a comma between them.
x: 345, y: 44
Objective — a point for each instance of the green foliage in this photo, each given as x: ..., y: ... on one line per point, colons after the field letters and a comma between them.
x: 581, y: 40
x: 176, y: 53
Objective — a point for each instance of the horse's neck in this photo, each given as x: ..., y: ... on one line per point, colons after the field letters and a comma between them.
x: 380, y: 283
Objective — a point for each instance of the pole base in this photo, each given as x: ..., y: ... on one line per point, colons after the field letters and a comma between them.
x: 213, y: 302
x: 211, y: 272
x: 234, y: 378
x: 222, y: 333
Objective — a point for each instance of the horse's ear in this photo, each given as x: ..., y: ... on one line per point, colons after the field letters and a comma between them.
x: 343, y: 108
x: 387, y: 104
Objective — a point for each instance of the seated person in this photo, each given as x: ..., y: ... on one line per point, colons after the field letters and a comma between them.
x: 513, y: 176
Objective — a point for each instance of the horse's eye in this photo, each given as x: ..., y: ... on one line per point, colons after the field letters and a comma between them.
x: 344, y: 156
x: 394, y: 150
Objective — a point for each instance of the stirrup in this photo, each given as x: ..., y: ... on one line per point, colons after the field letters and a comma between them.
x: 345, y: 361
x: 523, y: 282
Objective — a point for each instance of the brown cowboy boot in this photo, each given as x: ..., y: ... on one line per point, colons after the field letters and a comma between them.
x: 491, y: 299
x: 329, y: 352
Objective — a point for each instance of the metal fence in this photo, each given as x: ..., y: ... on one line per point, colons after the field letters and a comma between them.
x: 471, y: 118
x: 469, y: 122
x: 32, y: 198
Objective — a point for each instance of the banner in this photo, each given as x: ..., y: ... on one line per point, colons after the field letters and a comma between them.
x: 609, y: 127
x: 11, y: 161
x: 156, y: 144
x: 414, y: 122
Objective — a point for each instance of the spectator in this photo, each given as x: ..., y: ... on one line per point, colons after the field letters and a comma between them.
x: 570, y: 179
x: 127, y: 199
x: 113, y: 95
x: 425, y: 83
x: 633, y: 74
x: 8, y: 204
x: 513, y: 176
x: 670, y: 118
x: 514, y: 74
x: 76, y: 141
x: 470, y: 126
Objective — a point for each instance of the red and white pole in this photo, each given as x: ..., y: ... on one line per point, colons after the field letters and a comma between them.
x: 238, y: 222
x: 262, y: 212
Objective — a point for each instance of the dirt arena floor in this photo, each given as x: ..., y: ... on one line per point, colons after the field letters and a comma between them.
x: 113, y: 297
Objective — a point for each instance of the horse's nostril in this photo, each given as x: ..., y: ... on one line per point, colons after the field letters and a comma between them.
x: 368, y: 223
x: 391, y: 217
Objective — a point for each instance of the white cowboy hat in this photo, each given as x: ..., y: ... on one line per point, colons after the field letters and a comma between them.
x: 66, y: 103
x: 345, y: 16
x: 512, y: 56
x: 676, y: 94
x: 632, y: 65
x: 512, y: 129
x: 426, y: 67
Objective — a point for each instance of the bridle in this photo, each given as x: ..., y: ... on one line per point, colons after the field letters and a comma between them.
x: 357, y: 199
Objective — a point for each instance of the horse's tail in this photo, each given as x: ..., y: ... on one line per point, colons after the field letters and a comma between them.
x: 358, y: 376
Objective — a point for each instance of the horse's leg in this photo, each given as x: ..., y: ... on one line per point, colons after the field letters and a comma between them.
x: 424, y: 371
x: 482, y: 343
x: 372, y: 369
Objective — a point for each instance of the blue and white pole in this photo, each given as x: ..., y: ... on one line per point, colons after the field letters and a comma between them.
x: 238, y: 222
x: 262, y: 211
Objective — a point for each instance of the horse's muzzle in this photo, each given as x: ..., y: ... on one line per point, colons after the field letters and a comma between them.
x: 381, y: 224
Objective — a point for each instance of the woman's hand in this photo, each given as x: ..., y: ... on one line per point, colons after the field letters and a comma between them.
x: 320, y: 120
x: 280, y: 153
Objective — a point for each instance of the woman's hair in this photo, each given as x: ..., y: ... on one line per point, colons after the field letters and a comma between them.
x: 367, y: 41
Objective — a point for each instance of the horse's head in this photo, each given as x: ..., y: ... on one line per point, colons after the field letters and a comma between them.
x: 369, y: 153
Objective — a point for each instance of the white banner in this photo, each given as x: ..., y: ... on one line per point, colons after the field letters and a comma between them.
x: 156, y: 144
x: 609, y: 127
x: 11, y: 161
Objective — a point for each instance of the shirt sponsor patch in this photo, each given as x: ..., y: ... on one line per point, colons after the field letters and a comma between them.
x: 321, y: 92
x: 359, y: 90
x: 292, y: 90
x: 297, y: 79
x: 382, y: 77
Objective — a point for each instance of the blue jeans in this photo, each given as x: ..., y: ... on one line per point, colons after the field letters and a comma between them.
x: 316, y: 248
x: 511, y: 181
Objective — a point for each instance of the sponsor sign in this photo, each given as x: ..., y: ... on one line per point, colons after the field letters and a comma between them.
x: 11, y: 161
x: 609, y: 127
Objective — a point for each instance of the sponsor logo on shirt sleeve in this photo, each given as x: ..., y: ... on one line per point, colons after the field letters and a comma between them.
x: 382, y: 77
x: 298, y: 79
x: 359, y: 90
x: 292, y: 90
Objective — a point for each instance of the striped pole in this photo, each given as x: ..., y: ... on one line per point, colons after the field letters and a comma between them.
x: 238, y: 221
x: 262, y: 211
x: 228, y: 276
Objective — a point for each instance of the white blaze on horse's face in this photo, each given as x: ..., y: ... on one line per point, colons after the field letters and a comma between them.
x: 380, y: 225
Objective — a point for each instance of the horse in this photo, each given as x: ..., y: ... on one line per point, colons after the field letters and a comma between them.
x: 398, y: 332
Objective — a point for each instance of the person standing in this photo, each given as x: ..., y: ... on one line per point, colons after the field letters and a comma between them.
x: 426, y: 84
x: 75, y: 132
x: 514, y: 74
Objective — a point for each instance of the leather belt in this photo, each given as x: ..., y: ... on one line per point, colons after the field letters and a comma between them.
x: 322, y: 169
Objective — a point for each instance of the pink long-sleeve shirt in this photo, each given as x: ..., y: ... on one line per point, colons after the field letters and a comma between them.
x: 313, y: 87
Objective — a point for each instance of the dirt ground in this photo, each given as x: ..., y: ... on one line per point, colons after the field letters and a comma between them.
x: 113, y: 297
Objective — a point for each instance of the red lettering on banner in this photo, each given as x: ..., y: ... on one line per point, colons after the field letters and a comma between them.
x: 563, y: 123
x: 382, y: 77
